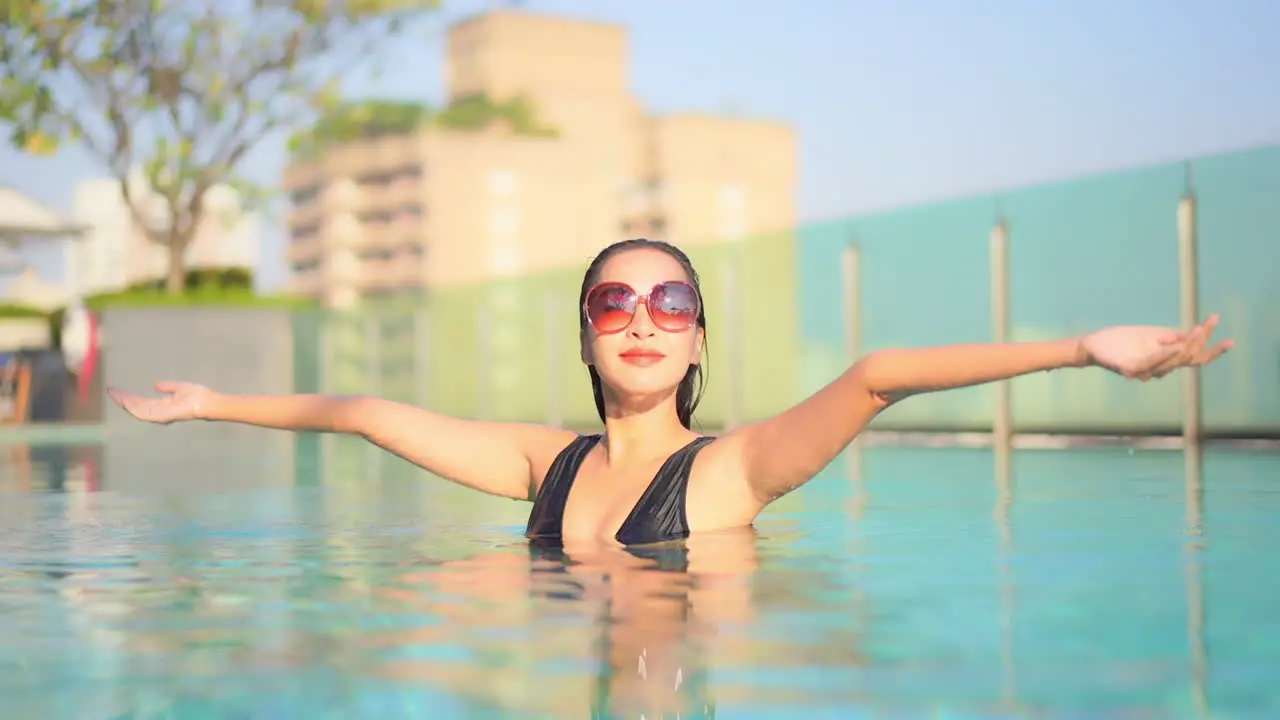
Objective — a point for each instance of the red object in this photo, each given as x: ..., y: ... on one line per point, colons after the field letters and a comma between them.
x: 92, y: 473
x: 90, y: 365
x: 641, y: 357
x: 674, y: 306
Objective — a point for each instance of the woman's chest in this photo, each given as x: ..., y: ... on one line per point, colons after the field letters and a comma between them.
x: 600, y: 503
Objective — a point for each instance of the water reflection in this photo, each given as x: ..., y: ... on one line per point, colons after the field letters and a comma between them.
x: 1093, y: 585
x: 60, y: 468
x: 342, y: 604
x: 603, y: 632
x: 1193, y: 487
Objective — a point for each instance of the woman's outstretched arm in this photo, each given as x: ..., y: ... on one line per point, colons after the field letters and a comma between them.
x: 785, y: 451
x: 496, y: 458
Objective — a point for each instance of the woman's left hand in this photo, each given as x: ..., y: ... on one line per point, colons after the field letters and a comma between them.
x: 1144, y: 352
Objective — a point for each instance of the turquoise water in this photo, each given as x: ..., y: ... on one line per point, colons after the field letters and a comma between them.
x: 1092, y: 585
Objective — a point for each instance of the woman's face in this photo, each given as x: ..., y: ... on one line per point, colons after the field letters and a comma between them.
x: 645, y: 358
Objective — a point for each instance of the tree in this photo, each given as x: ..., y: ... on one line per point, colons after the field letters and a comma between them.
x: 180, y: 91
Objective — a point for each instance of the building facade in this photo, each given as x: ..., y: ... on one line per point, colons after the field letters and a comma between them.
x: 439, y: 207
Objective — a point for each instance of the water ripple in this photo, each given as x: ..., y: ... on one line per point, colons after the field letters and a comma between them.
x: 1079, y: 601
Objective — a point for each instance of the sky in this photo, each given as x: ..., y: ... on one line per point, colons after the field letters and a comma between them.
x: 895, y: 103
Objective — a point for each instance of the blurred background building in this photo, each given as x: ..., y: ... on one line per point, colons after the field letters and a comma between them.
x: 435, y: 207
x: 102, y: 249
x: 31, y: 238
x: 115, y: 252
x: 538, y: 152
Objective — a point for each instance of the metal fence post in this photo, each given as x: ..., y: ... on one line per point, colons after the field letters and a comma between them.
x: 1189, y: 315
x: 1002, y: 423
x: 851, y: 277
x: 1002, y: 450
x: 1192, y: 439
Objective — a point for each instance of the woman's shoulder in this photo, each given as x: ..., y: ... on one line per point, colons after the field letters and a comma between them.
x: 552, y: 442
x: 718, y: 494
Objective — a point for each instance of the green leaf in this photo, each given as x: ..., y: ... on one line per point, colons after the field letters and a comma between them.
x: 40, y: 143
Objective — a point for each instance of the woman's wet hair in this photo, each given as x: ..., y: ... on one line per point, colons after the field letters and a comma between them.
x: 689, y: 394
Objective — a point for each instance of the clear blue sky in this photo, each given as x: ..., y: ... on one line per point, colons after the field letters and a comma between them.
x: 896, y: 102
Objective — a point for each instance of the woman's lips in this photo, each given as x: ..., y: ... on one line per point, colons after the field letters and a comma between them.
x: 642, y: 357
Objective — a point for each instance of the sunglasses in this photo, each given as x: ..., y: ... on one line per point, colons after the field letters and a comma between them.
x: 610, y: 307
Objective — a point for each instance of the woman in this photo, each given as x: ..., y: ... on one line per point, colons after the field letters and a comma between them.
x: 649, y: 478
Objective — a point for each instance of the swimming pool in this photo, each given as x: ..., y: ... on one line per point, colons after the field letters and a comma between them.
x: 1095, y: 586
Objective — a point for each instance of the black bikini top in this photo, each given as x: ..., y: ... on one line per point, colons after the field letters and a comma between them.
x: 659, y: 515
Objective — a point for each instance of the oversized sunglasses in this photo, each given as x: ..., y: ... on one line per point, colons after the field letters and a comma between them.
x: 672, y: 305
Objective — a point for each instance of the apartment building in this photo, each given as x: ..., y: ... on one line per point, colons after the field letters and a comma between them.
x: 437, y: 206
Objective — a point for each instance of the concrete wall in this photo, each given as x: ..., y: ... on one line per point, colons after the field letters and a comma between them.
x: 230, y: 349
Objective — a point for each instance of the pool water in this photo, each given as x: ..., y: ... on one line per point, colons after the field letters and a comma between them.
x: 1093, y: 584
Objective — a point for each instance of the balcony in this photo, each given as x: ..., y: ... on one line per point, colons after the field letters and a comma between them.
x: 390, y: 195
x: 303, y: 251
x: 309, y: 283
x: 388, y: 154
x: 303, y: 215
x: 305, y: 239
x: 411, y: 266
x: 302, y: 175
x: 390, y: 267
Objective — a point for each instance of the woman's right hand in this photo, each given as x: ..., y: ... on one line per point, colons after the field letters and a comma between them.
x: 181, y: 401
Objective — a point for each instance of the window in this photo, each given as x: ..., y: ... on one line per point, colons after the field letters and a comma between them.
x: 343, y: 264
x: 344, y: 225
x: 733, y: 198
x: 504, y: 259
x: 733, y: 229
x: 504, y: 183
x: 504, y: 221
x: 733, y: 206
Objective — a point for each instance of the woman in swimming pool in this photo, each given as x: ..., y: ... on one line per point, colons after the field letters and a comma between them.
x: 649, y: 477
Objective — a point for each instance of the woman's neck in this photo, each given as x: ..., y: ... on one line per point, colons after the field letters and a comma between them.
x: 638, y: 437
